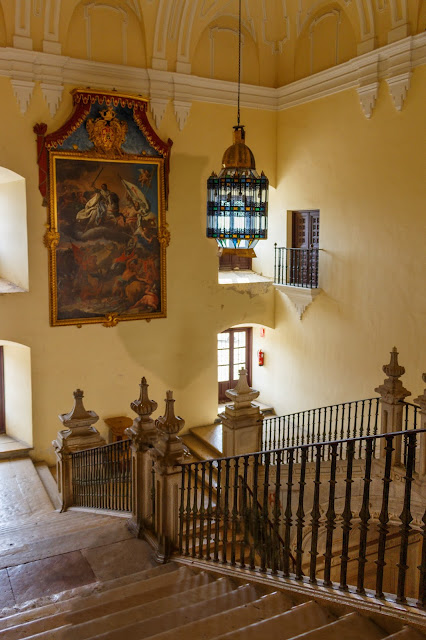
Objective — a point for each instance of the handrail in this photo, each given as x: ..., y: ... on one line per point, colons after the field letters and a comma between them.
x: 102, y: 477
x: 306, y: 506
x: 296, y: 267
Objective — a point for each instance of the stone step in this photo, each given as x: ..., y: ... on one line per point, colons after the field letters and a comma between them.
x: 94, y: 594
x: 162, y: 613
x: 213, y: 625
x: 49, y: 483
x: 71, y: 624
x: 284, y: 626
x: 211, y: 435
x: 200, y: 449
x: 406, y: 634
x: 352, y: 626
x: 184, y: 615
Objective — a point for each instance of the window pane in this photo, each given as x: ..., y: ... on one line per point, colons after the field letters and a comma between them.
x: 223, y: 341
x: 223, y: 373
x: 223, y: 356
x: 237, y: 368
x: 240, y: 356
x: 240, y: 339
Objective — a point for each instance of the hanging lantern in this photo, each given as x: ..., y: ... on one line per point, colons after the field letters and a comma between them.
x: 237, y: 198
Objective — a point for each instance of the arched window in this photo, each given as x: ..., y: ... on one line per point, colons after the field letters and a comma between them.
x: 13, y: 233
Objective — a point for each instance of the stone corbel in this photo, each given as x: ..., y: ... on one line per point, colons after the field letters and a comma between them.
x: 23, y: 90
x: 301, y: 297
x: 367, y: 97
x: 52, y: 93
x: 158, y: 109
x: 182, y: 109
x: 398, y: 87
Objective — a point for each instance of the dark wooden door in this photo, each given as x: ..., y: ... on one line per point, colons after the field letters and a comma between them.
x: 233, y: 353
x: 303, y: 264
x: 2, y: 405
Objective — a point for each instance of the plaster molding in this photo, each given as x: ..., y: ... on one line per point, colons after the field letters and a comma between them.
x: 276, y: 45
x: 301, y: 297
x: 390, y: 61
x: 158, y: 109
x: 182, y: 110
x: 367, y: 97
x: 52, y: 12
x: 52, y: 93
x: 23, y: 90
x: 398, y: 87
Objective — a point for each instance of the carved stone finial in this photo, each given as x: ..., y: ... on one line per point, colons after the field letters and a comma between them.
x: 393, y: 369
x: 421, y: 400
x: 78, y: 416
x: 242, y: 395
x: 392, y: 389
x: 169, y: 423
x: 143, y: 406
x: 143, y: 431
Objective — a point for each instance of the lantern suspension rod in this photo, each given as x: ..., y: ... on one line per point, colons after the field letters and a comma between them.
x: 239, y: 60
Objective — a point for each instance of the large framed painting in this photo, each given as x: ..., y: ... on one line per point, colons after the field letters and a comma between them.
x: 104, y: 178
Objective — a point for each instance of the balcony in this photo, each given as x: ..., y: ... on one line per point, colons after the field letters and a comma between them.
x: 296, y: 275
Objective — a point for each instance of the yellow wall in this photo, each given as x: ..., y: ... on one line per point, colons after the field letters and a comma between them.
x: 178, y: 352
x: 367, y: 179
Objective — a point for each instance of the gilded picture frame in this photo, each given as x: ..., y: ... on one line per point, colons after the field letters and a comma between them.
x: 107, y: 232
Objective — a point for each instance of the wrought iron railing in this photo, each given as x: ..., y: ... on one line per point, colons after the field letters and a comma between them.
x: 102, y: 477
x: 334, y: 422
x: 296, y: 267
x: 323, y: 514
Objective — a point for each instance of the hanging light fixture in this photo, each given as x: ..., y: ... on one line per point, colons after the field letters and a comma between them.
x: 237, y: 198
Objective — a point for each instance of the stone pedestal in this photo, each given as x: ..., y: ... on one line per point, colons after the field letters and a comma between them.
x: 241, y: 420
x: 166, y: 455
x: 143, y: 434
x: 392, y: 394
x: 421, y: 400
x: 79, y: 434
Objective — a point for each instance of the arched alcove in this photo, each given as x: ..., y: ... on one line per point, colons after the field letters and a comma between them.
x: 17, y: 391
x: 13, y: 233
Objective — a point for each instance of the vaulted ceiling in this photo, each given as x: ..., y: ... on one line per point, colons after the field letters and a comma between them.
x: 283, y: 40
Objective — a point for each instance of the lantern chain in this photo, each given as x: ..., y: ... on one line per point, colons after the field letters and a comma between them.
x: 239, y: 60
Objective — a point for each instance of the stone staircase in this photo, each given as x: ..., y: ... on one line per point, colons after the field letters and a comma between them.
x: 180, y: 603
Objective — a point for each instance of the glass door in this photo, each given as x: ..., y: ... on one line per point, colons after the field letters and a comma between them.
x: 233, y: 354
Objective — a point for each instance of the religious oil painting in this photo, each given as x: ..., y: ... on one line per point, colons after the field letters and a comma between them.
x: 104, y: 173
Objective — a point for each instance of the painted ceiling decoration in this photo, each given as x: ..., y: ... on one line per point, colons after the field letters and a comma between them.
x: 177, y: 50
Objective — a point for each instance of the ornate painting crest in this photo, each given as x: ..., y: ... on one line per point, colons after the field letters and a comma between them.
x: 103, y: 176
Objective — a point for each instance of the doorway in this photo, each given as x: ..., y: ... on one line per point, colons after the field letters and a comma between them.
x: 234, y: 351
x: 2, y: 403
x: 303, y: 267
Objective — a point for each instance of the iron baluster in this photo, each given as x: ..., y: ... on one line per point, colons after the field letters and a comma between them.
x: 244, y: 511
x: 288, y: 514
x: 188, y: 510
x: 264, y: 517
x: 254, y: 516
x: 202, y: 509
x: 300, y: 515
x: 347, y: 516
x: 406, y: 517
x: 277, y: 550
x: 364, y: 515
x: 384, y: 518
x: 209, y: 512
x: 226, y: 513
x: 182, y: 509
x: 315, y: 516
x: 234, y: 516
x: 421, y: 602
x: 330, y: 517
x: 195, y: 511
x: 218, y: 513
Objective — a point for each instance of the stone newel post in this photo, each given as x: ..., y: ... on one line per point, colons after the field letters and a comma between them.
x: 242, y: 420
x: 167, y: 453
x: 392, y: 393
x: 79, y: 434
x: 421, y: 400
x: 143, y: 434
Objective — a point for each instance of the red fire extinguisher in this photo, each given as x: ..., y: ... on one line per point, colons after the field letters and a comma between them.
x: 260, y: 358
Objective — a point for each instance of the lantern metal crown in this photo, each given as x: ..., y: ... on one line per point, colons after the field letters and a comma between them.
x: 237, y: 198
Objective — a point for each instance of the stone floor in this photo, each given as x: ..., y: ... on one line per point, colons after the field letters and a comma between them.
x: 44, y: 552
